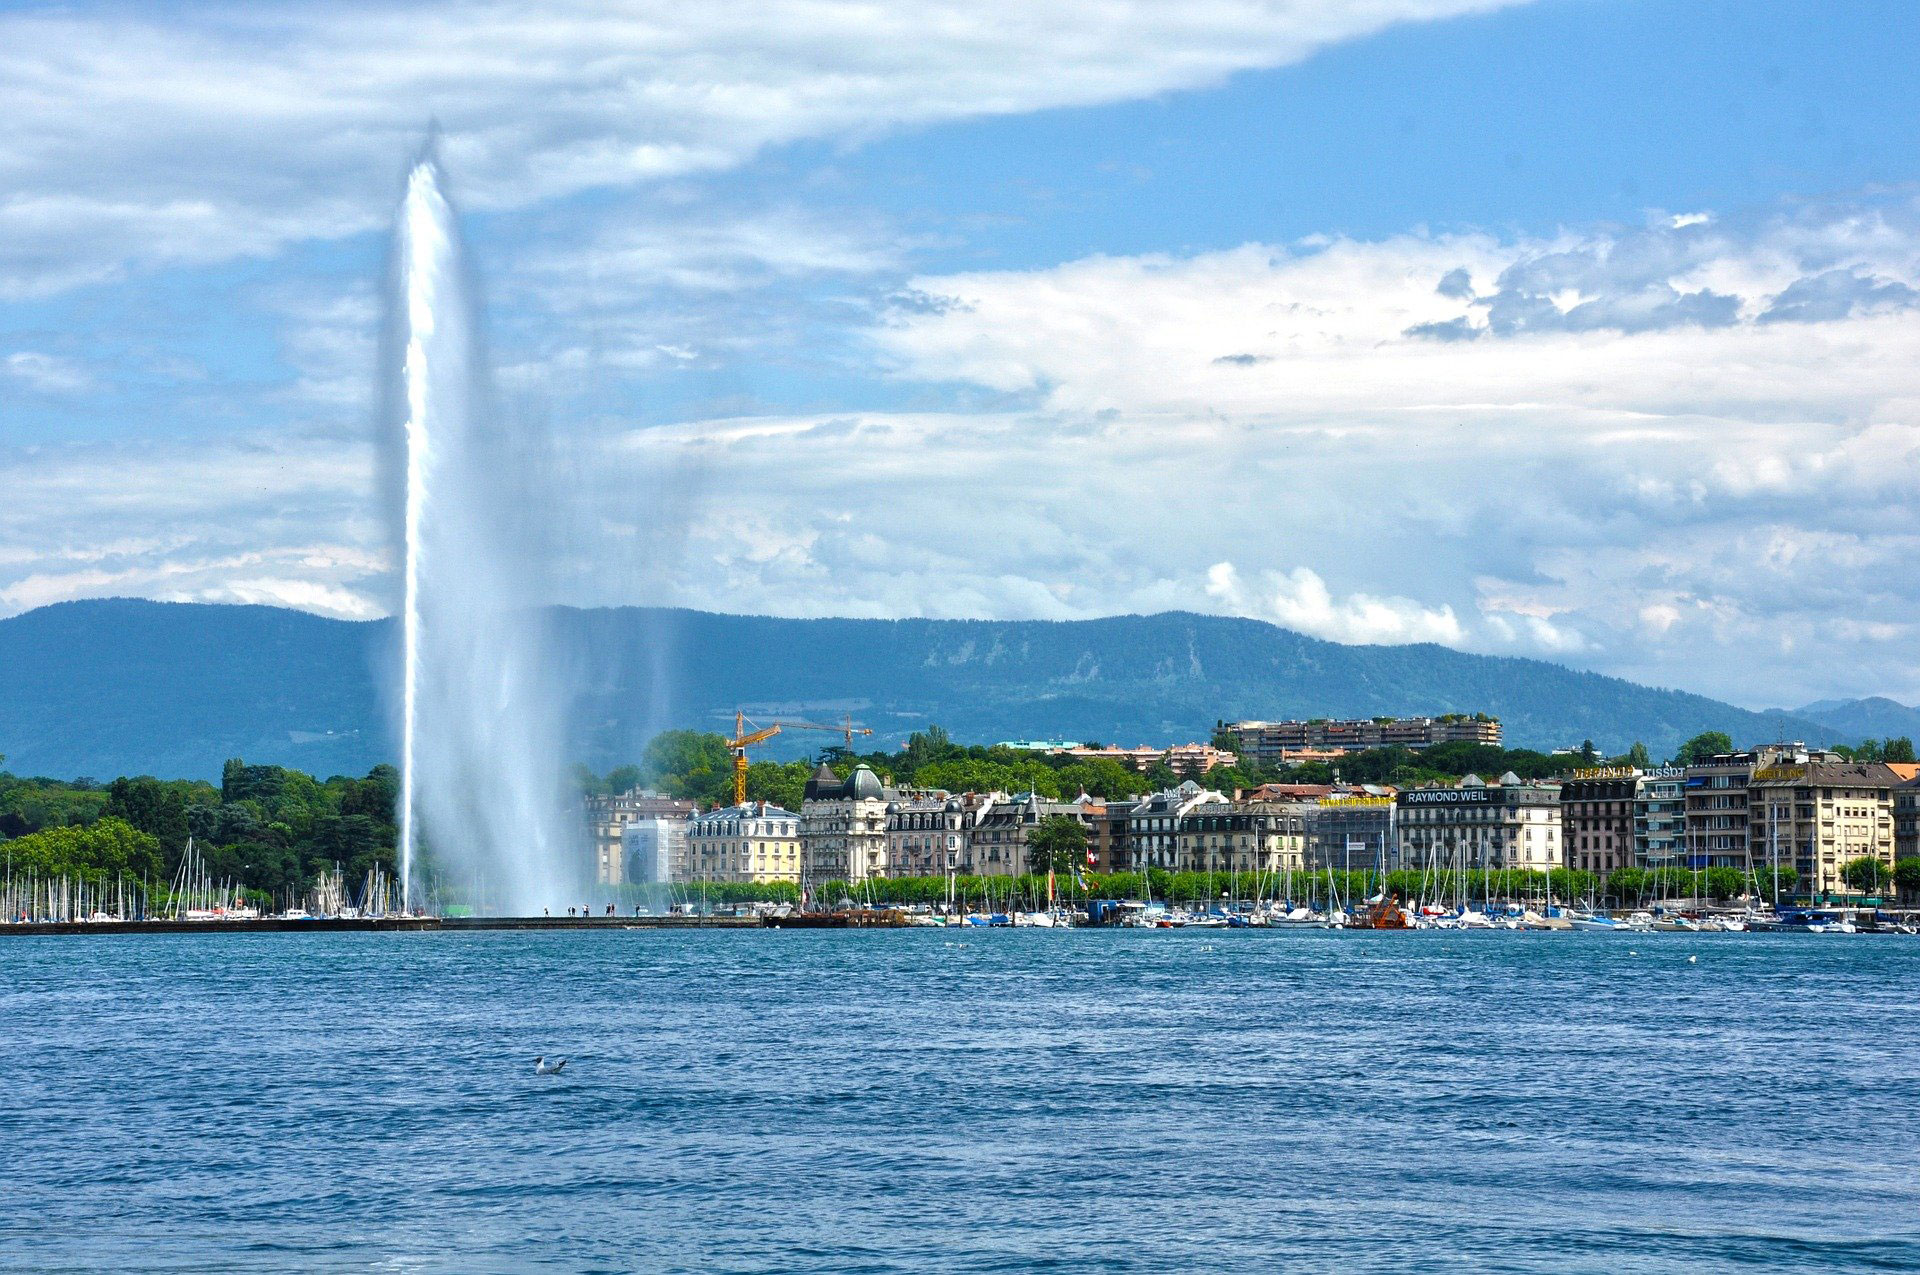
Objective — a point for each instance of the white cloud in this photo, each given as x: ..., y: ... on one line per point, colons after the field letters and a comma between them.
x: 1300, y: 600
x: 231, y: 131
x: 44, y: 373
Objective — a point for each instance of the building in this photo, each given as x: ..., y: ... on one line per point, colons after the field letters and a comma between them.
x: 927, y: 833
x: 997, y: 843
x: 1186, y: 758
x: 1817, y: 816
x: 607, y: 819
x: 654, y: 849
x: 1660, y: 817
x: 755, y: 842
x: 1906, y: 811
x: 1717, y: 822
x: 1107, y: 834
x: 1599, y: 818
x: 1354, y: 829
x: 1511, y: 824
x: 1267, y: 743
x: 1153, y: 825
x: 1236, y: 836
x: 843, y: 826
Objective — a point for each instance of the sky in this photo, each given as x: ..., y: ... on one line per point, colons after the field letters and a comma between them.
x: 1576, y: 329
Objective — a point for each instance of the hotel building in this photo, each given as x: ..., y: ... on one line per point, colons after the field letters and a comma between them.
x: 1511, y: 824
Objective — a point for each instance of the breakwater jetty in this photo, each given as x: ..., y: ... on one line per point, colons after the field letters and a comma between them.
x: 380, y: 925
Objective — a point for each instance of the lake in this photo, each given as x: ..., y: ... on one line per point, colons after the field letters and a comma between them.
x: 939, y: 1100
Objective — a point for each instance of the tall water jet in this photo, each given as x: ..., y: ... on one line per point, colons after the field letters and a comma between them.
x: 478, y: 706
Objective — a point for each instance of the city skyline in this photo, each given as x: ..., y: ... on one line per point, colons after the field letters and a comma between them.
x: 1406, y: 327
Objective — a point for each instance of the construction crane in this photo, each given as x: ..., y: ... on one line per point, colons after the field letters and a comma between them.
x: 742, y: 737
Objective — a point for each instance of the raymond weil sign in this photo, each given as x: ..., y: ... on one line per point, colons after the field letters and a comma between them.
x: 1447, y: 796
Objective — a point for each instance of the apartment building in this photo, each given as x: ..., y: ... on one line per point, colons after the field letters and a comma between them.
x: 1267, y: 743
x: 1598, y: 817
x: 755, y: 842
x: 1509, y: 824
x: 1233, y: 836
x: 997, y: 843
x: 1153, y: 825
x: 1717, y: 820
x: 1353, y: 829
x: 1818, y: 816
x: 927, y: 833
x: 1660, y: 817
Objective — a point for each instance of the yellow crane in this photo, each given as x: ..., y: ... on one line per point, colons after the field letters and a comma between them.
x: 743, y: 737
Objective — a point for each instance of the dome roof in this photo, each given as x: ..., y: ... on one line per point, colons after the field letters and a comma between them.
x: 865, y: 785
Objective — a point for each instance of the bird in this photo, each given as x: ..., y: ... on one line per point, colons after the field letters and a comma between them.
x: 1693, y: 960
x: 541, y: 1067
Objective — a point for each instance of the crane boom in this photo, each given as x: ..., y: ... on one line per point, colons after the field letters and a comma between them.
x: 742, y: 737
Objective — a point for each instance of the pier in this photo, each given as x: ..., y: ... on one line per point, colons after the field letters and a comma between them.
x: 381, y: 925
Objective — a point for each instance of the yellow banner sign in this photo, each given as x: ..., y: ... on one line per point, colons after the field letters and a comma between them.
x: 1779, y: 774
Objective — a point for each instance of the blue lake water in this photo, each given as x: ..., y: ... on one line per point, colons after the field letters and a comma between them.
x: 921, y: 1100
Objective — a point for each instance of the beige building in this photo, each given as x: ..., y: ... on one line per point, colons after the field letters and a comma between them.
x: 1232, y: 836
x: 1153, y: 825
x: 756, y: 842
x: 843, y: 826
x: 1818, y: 815
x: 1267, y: 743
x: 1511, y: 824
x: 607, y: 822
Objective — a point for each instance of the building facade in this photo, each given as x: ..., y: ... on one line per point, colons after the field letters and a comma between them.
x: 1906, y: 813
x: 1267, y: 743
x: 1511, y: 824
x: 653, y: 849
x: 1153, y: 825
x: 843, y: 826
x: 997, y: 844
x: 1818, y: 816
x: 1354, y: 830
x: 927, y: 834
x: 607, y: 819
x: 756, y: 842
x: 1598, y: 818
x: 1242, y: 836
x: 1660, y: 818
x: 1717, y: 820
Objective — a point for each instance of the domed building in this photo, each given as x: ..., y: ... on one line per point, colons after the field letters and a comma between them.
x: 843, y: 825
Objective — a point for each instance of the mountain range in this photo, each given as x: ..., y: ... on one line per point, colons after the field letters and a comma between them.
x: 121, y: 686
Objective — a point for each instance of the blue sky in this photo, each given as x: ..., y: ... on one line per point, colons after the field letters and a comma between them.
x: 1578, y: 328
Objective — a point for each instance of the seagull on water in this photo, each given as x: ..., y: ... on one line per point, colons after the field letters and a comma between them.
x: 541, y: 1067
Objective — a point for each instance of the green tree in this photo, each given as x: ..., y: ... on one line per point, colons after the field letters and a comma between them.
x: 1723, y: 883
x: 1629, y: 885
x: 623, y: 779
x: 1897, y: 749
x: 1866, y: 874
x: 1638, y: 756
x: 1778, y: 881
x: 1906, y: 875
x: 1057, y: 843
x: 1707, y: 744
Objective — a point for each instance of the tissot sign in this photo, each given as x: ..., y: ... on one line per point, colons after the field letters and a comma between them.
x: 1447, y: 796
